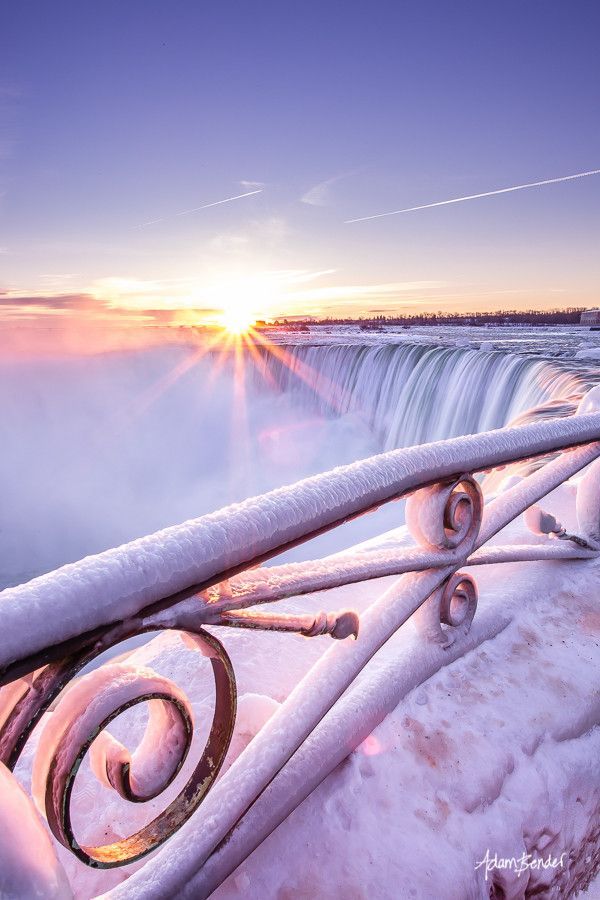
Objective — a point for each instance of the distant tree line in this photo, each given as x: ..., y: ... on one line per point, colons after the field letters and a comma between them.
x: 568, y: 316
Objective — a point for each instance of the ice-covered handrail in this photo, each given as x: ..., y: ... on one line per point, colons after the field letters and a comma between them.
x: 119, y: 583
x: 201, y: 573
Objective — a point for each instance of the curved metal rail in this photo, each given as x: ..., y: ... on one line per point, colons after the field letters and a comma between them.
x: 204, y: 573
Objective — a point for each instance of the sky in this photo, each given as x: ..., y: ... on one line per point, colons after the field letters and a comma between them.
x: 124, y: 125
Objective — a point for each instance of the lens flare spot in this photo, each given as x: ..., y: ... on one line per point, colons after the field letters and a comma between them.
x: 236, y: 319
x: 371, y: 746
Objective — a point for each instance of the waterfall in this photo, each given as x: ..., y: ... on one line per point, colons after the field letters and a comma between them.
x: 412, y: 393
x: 169, y: 433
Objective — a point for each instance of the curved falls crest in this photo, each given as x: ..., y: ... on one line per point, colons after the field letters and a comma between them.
x: 413, y: 393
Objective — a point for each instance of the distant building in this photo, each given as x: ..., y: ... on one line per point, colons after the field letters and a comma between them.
x: 590, y: 317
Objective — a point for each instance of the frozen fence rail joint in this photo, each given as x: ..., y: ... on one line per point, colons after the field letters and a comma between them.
x: 203, y: 573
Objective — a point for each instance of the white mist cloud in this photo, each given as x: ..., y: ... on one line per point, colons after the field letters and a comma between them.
x: 250, y: 185
x: 98, y: 450
x: 321, y: 194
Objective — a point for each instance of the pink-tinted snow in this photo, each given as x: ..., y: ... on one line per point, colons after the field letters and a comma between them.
x: 494, y: 746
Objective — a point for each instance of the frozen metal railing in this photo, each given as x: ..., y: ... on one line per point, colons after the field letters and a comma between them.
x: 203, y: 574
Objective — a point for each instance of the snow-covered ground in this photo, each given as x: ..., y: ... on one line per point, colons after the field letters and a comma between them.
x: 496, y: 751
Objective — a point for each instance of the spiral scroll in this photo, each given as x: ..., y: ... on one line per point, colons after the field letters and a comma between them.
x: 454, y: 604
x: 446, y: 516
x: 458, y: 601
x: 78, y: 724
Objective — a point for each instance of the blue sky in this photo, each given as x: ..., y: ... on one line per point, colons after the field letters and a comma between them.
x: 116, y: 114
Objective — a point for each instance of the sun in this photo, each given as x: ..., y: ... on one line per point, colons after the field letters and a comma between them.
x: 235, y: 319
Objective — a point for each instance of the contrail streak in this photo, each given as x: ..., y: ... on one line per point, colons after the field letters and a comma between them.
x: 186, y: 212
x: 517, y: 187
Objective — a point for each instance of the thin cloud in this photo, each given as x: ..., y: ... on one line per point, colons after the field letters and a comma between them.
x: 186, y: 212
x: 84, y: 310
x: 354, y: 297
x: 50, y: 301
x: 252, y: 184
x: 321, y: 194
x: 517, y: 187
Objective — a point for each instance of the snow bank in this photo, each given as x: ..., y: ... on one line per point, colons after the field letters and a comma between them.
x: 29, y: 868
x: 496, y: 751
x: 494, y: 748
x: 445, y: 772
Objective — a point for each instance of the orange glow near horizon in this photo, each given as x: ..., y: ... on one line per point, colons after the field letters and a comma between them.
x: 236, y: 320
x: 125, y: 312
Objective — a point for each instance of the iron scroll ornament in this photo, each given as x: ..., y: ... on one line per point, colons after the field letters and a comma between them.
x: 77, y: 726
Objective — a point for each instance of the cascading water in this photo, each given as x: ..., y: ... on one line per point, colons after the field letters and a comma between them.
x: 412, y: 393
x: 102, y: 449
